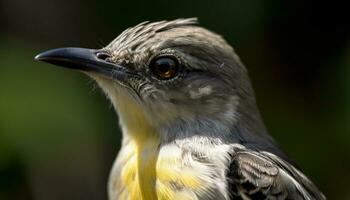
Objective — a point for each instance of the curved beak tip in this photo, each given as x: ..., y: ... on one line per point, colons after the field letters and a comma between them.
x: 38, y: 57
x: 48, y: 55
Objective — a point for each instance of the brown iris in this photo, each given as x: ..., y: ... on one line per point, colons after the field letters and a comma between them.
x: 165, y: 67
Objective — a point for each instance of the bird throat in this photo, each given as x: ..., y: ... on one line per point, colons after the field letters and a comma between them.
x: 138, y: 175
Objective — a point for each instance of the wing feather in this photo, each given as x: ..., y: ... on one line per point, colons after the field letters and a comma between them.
x: 262, y: 175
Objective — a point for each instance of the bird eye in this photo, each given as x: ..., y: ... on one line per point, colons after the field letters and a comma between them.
x: 165, y: 67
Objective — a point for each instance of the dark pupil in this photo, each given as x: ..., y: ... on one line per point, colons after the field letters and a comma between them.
x: 165, y: 64
x: 165, y: 67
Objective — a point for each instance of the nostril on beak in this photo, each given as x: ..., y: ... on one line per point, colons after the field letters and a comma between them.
x: 102, y: 55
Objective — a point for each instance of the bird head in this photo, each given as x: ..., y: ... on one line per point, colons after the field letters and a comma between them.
x: 164, y: 72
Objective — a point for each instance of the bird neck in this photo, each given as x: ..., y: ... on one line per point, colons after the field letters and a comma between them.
x: 143, y: 141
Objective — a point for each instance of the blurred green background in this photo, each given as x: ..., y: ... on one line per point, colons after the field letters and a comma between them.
x: 59, y: 135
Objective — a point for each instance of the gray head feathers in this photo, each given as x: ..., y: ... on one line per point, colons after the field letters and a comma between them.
x: 135, y: 36
x: 214, y: 84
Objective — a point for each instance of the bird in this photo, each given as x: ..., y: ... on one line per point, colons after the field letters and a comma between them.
x: 191, y: 128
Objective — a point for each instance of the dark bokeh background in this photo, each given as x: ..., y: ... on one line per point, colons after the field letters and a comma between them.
x: 59, y: 135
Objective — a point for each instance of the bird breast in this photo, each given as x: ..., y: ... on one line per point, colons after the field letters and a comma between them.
x: 173, y: 171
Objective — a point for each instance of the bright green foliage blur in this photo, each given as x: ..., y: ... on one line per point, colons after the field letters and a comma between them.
x: 59, y: 134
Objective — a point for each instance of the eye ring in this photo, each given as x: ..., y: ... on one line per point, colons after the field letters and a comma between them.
x: 165, y: 67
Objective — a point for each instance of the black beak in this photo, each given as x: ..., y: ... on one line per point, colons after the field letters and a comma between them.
x: 89, y: 60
